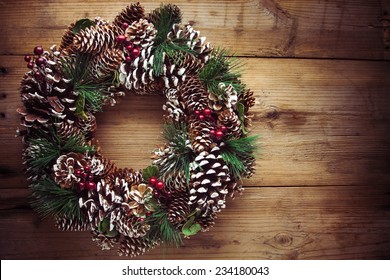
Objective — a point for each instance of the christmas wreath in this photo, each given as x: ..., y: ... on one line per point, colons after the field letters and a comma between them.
x: 207, y: 149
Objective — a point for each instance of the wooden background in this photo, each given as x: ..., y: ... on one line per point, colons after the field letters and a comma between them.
x: 321, y: 74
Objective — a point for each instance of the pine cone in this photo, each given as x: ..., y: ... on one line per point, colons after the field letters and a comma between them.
x: 103, y: 241
x: 193, y: 95
x: 172, y: 10
x: 130, y: 226
x: 141, y: 33
x: 65, y: 169
x: 87, y: 125
x: 207, y: 222
x: 96, y: 39
x: 232, y: 122
x: 65, y: 223
x: 130, y: 14
x: 200, y: 134
x: 105, y: 64
x: 66, y: 131
x: 209, y: 182
x: 172, y: 107
x: 132, y: 247
x: 67, y: 39
x: 178, y: 208
x: 46, y: 94
x: 248, y: 100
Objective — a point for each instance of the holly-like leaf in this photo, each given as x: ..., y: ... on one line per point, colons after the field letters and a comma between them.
x: 241, y: 116
x: 149, y: 172
x: 80, y: 105
x: 82, y: 24
x: 191, y: 228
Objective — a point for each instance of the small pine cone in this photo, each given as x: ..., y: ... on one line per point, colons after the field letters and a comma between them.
x: 200, y: 134
x: 129, y: 176
x: 172, y: 10
x: 87, y: 125
x: 249, y: 162
x: 105, y: 64
x: 103, y: 241
x: 66, y: 131
x: 67, y: 39
x: 65, y: 223
x: 176, y: 182
x: 232, y: 122
x: 194, y: 41
x: 209, y: 180
x: 65, y: 169
x: 207, y: 222
x: 193, y: 95
x: 141, y: 33
x: 96, y: 39
x: 172, y: 107
x: 129, y: 225
x: 132, y: 247
x: 178, y: 208
x: 130, y: 14
x: 248, y: 100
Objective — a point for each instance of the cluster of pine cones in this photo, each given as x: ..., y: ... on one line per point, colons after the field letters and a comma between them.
x: 116, y: 203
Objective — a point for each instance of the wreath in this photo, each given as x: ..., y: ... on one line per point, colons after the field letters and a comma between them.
x: 207, y: 150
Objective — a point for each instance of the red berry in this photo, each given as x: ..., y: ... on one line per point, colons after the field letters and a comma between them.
x: 40, y: 61
x: 207, y: 112
x: 84, y: 175
x: 128, y: 59
x: 120, y: 38
x: 90, y: 177
x: 197, y: 112
x: 141, y: 219
x: 212, y: 132
x: 38, y: 50
x: 135, y: 52
x: 219, y: 134
x: 27, y: 58
x: 81, y: 185
x: 78, y: 172
x: 91, y: 185
x: 223, y: 128
x: 30, y: 65
x: 148, y: 214
x: 38, y: 75
x: 87, y: 168
x: 160, y: 185
x: 168, y: 194
x: 125, y: 25
x: 152, y: 181
x: 129, y: 47
x: 156, y: 193
x: 201, y: 117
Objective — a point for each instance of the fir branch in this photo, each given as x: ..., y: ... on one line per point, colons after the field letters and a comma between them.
x: 179, y: 161
x: 50, y: 199
x: 236, y: 151
x: 221, y: 68
x: 161, y: 228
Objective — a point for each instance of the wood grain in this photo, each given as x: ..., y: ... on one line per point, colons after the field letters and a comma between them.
x: 280, y: 223
x: 320, y: 74
x: 327, y: 29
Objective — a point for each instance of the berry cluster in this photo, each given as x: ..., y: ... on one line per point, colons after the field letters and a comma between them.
x: 220, y: 131
x: 85, y: 178
x: 132, y: 52
x: 36, y: 60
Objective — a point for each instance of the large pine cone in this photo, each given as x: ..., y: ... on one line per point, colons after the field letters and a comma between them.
x: 209, y: 181
x: 200, y: 134
x: 232, y: 122
x: 105, y: 64
x: 141, y: 33
x: 96, y: 39
x: 66, y: 167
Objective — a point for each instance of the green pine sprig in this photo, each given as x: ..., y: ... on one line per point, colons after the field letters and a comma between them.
x: 179, y: 161
x: 50, y: 199
x: 163, y: 19
x: 237, y: 150
x: 221, y: 68
x: 162, y: 229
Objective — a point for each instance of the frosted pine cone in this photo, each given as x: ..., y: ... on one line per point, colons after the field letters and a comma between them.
x: 96, y: 39
x: 103, y: 241
x: 193, y: 95
x: 141, y: 33
x: 232, y: 122
x: 75, y: 224
x: 178, y: 208
x: 104, y: 64
x: 200, y: 134
x: 209, y: 182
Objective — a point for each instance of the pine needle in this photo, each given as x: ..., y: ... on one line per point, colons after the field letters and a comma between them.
x: 49, y: 199
x: 221, y: 68
x: 161, y: 228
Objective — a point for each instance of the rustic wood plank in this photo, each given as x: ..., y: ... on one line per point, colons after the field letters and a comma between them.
x: 327, y: 29
x: 265, y: 223
x: 322, y: 122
